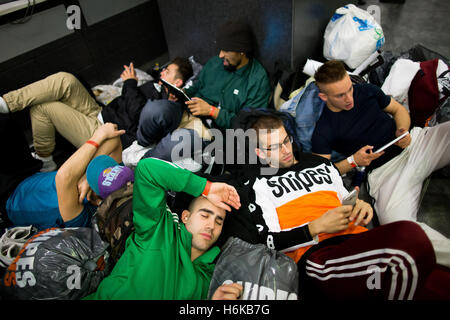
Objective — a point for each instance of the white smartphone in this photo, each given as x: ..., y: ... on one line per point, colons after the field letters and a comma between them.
x: 392, y: 142
x: 350, y: 199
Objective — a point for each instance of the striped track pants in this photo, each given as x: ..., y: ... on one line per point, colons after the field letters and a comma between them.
x: 390, y: 262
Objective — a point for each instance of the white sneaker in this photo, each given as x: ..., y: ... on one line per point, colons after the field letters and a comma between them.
x: 3, y: 106
x: 47, y: 162
x: 11, y: 242
x: 17, y: 234
x: 8, y: 252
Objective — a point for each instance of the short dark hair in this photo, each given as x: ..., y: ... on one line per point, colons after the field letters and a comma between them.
x: 330, y: 72
x: 193, y: 203
x: 184, y: 68
x: 267, y: 122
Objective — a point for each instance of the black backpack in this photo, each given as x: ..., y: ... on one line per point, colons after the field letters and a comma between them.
x: 114, y: 219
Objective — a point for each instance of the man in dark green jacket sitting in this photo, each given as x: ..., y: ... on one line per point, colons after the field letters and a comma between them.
x: 166, y: 259
x: 231, y: 81
x: 227, y: 83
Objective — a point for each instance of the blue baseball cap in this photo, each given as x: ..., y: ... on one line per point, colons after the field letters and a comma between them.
x: 105, y: 175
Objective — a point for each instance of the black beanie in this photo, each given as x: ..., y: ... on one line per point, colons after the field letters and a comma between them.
x: 235, y: 36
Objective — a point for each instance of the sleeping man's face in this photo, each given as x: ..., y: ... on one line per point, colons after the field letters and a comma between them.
x: 204, y: 221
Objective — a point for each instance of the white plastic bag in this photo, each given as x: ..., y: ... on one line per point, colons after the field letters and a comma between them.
x: 399, y: 79
x: 351, y: 36
x: 142, y: 76
x: 105, y: 93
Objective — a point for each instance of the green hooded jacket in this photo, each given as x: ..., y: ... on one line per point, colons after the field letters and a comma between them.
x: 156, y: 263
x: 247, y: 87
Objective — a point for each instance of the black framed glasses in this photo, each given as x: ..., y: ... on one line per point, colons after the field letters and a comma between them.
x: 275, y: 147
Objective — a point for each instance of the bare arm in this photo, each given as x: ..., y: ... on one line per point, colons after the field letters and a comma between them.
x: 402, y: 121
x: 68, y: 176
x: 363, y: 157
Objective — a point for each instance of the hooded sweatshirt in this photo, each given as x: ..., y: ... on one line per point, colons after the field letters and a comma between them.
x: 156, y: 263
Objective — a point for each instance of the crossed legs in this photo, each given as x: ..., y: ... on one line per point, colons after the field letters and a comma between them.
x: 59, y: 102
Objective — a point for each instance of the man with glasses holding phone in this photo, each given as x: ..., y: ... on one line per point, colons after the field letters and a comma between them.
x: 292, y: 203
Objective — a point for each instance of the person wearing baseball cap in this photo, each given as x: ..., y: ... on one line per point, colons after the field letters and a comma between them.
x: 105, y: 175
x: 70, y: 196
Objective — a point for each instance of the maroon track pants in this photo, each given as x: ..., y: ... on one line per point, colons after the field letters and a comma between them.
x: 390, y: 262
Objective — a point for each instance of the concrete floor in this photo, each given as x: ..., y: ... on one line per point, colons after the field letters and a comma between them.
x: 414, y: 22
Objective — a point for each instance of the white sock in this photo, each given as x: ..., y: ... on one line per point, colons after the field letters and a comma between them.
x: 48, y: 166
x: 36, y: 156
x: 45, y: 159
x: 3, y: 106
x: 47, y: 163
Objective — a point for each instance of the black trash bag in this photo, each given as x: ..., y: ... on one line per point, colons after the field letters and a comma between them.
x: 57, y: 264
x: 441, y: 114
x: 379, y: 74
x: 420, y: 53
x: 264, y: 273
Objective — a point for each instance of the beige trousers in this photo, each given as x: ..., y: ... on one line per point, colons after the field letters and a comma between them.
x: 59, y: 102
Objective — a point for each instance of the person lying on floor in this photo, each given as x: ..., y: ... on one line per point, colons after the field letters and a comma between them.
x: 359, y: 119
x: 166, y: 258
x: 60, y: 102
x: 293, y: 203
x: 69, y: 197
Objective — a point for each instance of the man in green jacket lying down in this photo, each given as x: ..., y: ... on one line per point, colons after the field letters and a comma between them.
x: 166, y: 259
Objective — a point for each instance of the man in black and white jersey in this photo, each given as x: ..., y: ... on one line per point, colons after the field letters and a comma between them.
x: 297, y: 209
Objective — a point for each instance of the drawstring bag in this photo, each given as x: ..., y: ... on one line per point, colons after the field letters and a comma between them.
x: 265, y: 274
x: 57, y: 264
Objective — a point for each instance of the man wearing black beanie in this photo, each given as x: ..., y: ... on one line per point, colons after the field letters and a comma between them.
x: 231, y: 81
x: 234, y: 40
x: 227, y: 83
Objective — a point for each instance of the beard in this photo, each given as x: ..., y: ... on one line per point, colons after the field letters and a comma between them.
x: 230, y: 68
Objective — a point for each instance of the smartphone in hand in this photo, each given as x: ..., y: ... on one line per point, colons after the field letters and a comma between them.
x: 350, y: 199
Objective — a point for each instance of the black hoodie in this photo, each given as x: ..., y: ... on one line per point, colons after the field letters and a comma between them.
x: 126, y: 109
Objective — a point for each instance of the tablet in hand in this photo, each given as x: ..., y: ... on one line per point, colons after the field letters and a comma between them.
x: 392, y: 142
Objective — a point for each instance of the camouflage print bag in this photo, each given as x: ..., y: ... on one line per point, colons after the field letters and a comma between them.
x: 114, y: 219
